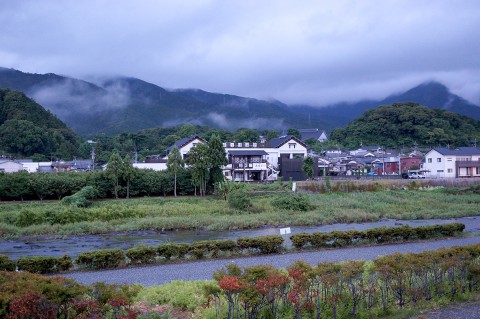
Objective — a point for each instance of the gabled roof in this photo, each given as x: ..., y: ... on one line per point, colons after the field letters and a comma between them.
x: 277, y: 142
x: 314, y: 133
x: 458, y: 151
x: 184, y: 141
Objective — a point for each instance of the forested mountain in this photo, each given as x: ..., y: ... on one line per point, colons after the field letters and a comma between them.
x: 27, y: 129
x: 406, y: 124
x: 121, y: 104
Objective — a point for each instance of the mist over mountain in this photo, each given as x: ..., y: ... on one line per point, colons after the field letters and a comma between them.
x: 123, y: 104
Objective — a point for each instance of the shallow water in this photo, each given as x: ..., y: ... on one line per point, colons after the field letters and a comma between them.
x: 73, y: 245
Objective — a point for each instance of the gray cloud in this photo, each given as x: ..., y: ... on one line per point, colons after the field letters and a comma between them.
x: 315, y: 52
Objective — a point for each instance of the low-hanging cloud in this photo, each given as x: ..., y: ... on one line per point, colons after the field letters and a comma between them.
x: 316, y: 52
x: 70, y: 96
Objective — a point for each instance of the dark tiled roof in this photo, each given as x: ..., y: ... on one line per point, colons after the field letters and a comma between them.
x: 247, y: 153
x: 459, y: 151
x: 184, y: 141
x: 314, y: 133
x: 277, y: 142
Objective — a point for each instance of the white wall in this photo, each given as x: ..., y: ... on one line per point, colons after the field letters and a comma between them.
x: 153, y: 166
x: 439, y: 165
x: 10, y: 167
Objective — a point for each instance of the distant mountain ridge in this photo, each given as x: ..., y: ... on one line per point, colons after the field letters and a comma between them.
x: 124, y: 104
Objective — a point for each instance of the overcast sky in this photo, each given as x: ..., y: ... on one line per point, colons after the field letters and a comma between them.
x: 315, y: 52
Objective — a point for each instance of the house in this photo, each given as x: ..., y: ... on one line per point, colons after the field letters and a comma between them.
x: 281, y: 156
x: 185, y: 144
x: 314, y: 133
x: 9, y: 166
x: 457, y: 163
x: 410, y: 163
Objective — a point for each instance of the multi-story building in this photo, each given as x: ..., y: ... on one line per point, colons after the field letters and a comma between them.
x: 460, y: 162
x: 281, y: 156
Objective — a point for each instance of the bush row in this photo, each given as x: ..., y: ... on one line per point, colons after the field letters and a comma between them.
x: 30, y: 186
x: 37, y: 264
x: 374, y: 235
x: 143, y: 254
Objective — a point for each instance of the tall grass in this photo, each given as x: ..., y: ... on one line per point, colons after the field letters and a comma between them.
x: 35, y: 218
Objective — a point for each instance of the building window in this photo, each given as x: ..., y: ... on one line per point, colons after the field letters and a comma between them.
x: 291, y: 145
x: 429, y: 160
x: 450, y: 170
x: 440, y: 171
x: 478, y: 170
x: 439, y: 160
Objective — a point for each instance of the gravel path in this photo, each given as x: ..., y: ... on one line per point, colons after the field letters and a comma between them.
x: 466, y: 310
x: 203, y: 270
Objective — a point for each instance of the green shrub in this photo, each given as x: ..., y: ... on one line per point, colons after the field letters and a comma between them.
x: 6, y: 264
x: 81, y: 198
x: 101, y: 259
x: 294, y: 201
x: 239, y: 199
x: 300, y: 240
x: 173, y: 250
x: 37, y: 264
x: 142, y: 254
x: 26, y: 217
x: 64, y: 263
x: 373, y: 235
x: 262, y: 244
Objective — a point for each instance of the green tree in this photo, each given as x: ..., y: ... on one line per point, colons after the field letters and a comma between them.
x: 175, y: 163
x: 217, y: 158
x: 307, y: 167
x: 114, y: 172
x: 294, y: 132
x: 198, y: 160
x: 128, y: 172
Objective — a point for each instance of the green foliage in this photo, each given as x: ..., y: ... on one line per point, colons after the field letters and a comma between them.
x: 27, y: 129
x: 292, y: 201
x: 173, y: 250
x: 81, y: 198
x: 175, y: 163
x: 239, y: 199
x: 307, y: 167
x: 6, y: 264
x: 374, y: 235
x: 406, y: 124
x: 141, y: 254
x: 37, y: 264
x: 294, y: 132
x: 263, y: 244
x: 101, y: 259
x: 184, y: 295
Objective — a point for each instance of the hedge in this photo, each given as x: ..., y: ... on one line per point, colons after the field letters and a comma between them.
x: 101, y: 259
x: 142, y: 254
x: 263, y: 244
x: 37, y: 264
x: 374, y: 235
x: 6, y: 263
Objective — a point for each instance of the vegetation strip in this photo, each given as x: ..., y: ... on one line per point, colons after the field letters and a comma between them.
x: 399, y: 284
x: 143, y: 254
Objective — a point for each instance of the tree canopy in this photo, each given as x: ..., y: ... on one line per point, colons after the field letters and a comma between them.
x: 403, y: 124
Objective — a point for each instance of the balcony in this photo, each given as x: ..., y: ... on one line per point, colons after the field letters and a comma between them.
x: 257, y: 166
x: 465, y: 164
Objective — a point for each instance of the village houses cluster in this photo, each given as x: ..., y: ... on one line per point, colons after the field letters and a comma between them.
x: 284, y: 156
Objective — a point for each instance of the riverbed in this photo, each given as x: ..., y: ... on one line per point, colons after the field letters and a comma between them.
x: 73, y: 245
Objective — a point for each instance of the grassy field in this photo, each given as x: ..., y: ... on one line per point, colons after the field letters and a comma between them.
x: 37, y: 218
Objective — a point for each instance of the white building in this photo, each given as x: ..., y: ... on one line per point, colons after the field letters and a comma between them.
x: 9, y: 166
x: 445, y: 163
x: 262, y: 161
